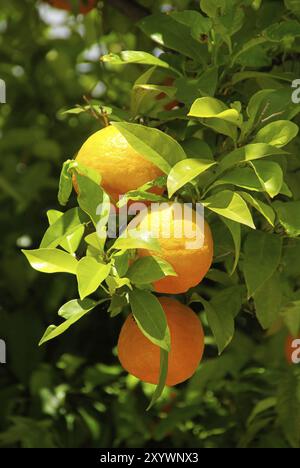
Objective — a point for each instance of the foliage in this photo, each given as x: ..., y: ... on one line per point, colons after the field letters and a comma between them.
x: 231, y: 143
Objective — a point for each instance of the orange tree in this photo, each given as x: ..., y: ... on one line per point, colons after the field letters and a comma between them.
x: 230, y: 144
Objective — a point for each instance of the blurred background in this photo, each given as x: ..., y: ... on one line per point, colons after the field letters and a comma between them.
x: 72, y: 392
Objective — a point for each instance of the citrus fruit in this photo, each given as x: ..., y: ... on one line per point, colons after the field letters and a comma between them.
x: 292, y: 349
x: 121, y: 167
x: 186, y: 243
x: 141, y: 358
x: 84, y: 5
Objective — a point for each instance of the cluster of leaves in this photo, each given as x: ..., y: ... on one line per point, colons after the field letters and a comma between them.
x: 230, y: 144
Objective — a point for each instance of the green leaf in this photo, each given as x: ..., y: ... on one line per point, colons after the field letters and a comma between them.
x: 269, y: 104
x: 65, y: 184
x: 249, y: 153
x: 150, y: 317
x: 261, y: 407
x: 162, y: 378
x: 197, y: 149
x: 291, y: 317
x: 188, y: 90
x: 114, y: 283
x: 279, y: 31
x: 283, y: 76
x: 72, y: 240
x: 118, y: 303
x: 252, y: 43
x: 156, y: 146
x: 294, y: 6
x: 90, y: 274
x: 262, y: 258
x: 220, y: 313
x: 289, y: 216
x: 95, y: 241
x: 213, y: 7
x: 270, y: 176
x: 235, y: 230
x: 166, y: 31
x: 278, y: 133
x: 93, y: 201
x: 136, y: 240
x: 288, y: 407
x: 197, y: 23
x: 75, y: 306
x: 65, y: 225
x: 230, y: 205
x: 268, y: 300
x: 185, y: 171
x: 265, y: 210
x: 121, y: 261
x: 72, y: 311
x: 51, y: 260
x: 243, y: 177
x: 208, y: 107
x: 134, y: 56
x: 149, y: 269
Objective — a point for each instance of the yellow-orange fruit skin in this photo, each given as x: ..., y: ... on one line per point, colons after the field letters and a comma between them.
x: 84, y: 7
x: 121, y: 167
x: 141, y: 358
x: 191, y: 265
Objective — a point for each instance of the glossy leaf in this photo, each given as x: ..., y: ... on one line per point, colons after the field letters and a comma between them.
x: 134, y: 56
x: 166, y: 31
x: 249, y: 153
x: 65, y: 225
x: 235, y: 230
x: 51, y: 260
x: 265, y: 210
x: 268, y: 301
x: 149, y: 269
x: 289, y: 216
x: 72, y: 311
x: 185, y: 171
x: 208, y: 107
x: 90, y: 274
x: 278, y: 133
x: 65, y: 184
x: 162, y: 378
x: 270, y: 175
x: 150, y: 317
x: 230, y: 205
x: 156, y: 146
x: 262, y: 257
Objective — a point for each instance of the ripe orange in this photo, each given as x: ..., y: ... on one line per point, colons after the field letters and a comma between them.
x: 84, y: 5
x: 292, y: 349
x: 141, y: 358
x: 122, y: 168
x: 191, y: 258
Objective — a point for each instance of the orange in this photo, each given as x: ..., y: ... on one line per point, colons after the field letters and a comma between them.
x: 190, y: 257
x: 84, y: 5
x: 292, y: 349
x: 141, y: 358
x: 121, y: 167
